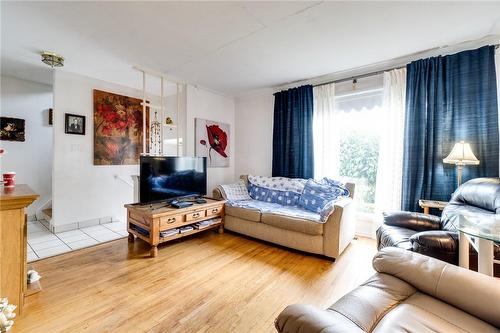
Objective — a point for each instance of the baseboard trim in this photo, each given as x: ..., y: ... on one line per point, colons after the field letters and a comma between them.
x: 82, y: 224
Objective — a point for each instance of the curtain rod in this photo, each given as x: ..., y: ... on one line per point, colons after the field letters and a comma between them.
x: 361, y: 76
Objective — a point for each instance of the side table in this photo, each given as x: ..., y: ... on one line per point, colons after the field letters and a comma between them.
x: 428, y: 204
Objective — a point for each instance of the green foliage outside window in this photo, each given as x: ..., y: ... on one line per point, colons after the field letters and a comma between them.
x: 359, y: 161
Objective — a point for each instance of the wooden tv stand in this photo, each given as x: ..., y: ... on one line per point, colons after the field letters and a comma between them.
x: 147, y: 221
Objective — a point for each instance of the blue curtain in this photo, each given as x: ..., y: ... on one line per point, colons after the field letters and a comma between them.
x: 292, y: 133
x: 448, y: 99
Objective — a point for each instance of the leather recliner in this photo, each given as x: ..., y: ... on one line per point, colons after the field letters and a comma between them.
x: 408, y: 293
x: 438, y: 237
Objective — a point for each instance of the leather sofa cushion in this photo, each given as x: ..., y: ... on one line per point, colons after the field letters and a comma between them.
x: 471, y: 292
x: 422, y: 313
x: 243, y: 213
x: 292, y: 223
x: 384, y: 290
x: 394, y: 236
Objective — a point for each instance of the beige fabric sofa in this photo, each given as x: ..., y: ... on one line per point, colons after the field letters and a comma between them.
x: 329, y: 238
x: 409, y: 293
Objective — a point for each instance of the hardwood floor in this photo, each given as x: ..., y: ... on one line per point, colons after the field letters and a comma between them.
x: 209, y: 283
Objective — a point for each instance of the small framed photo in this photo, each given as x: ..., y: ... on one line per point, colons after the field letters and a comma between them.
x: 74, y: 124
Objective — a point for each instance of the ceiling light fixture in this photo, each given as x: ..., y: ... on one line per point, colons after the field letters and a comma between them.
x: 52, y: 59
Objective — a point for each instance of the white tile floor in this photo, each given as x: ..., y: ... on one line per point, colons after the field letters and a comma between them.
x: 43, y: 244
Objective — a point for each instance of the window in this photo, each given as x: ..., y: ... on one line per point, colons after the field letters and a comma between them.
x: 347, y: 130
x: 356, y: 118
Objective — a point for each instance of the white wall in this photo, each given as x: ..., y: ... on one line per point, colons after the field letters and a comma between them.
x: 31, y: 159
x: 83, y: 191
x: 254, y: 142
x: 205, y: 104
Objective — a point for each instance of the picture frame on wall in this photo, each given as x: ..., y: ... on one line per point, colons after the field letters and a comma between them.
x: 74, y: 124
x: 12, y: 129
x: 212, y: 141
x: 118, y: 129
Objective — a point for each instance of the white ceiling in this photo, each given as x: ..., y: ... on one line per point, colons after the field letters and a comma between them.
x: 231, y: 47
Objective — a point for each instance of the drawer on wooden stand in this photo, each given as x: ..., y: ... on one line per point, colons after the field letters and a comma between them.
x: 193, y: 216
x: 169, y: 222
x: 215, y: 211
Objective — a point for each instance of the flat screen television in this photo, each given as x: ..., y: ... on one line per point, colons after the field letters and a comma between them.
x: 164, y: 178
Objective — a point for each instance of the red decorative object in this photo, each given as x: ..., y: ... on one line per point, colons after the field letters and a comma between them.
x: 9, y: 179
x: 217, y: 139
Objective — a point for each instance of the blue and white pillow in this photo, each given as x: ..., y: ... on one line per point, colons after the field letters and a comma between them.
x: 285, y: 198
x: 336, y: 185
x: 317, y: 195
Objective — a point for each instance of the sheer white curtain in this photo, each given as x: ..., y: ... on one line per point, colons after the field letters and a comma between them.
x: 390, y: 162
x: 326, y: 139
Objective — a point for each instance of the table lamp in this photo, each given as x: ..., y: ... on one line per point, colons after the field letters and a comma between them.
x: 461, y: 155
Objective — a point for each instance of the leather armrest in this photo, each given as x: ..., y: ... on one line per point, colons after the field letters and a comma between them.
x: 439, y: 244
x: 413, y: 221
x: 302, y: 318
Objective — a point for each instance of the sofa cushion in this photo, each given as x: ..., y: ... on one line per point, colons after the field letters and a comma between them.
x: 423, y: 313
x: 250, y: 214
x: 292, y: 223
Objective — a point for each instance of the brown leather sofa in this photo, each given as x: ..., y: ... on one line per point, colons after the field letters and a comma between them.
x: 409, y: 293
x: 330, y: 238
x: 438, y: 237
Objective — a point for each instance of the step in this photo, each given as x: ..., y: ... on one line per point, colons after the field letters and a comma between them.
x: 48, y: 212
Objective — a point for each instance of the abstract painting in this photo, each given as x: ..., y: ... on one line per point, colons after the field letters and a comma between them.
x: 117, y: 129
x: 212, y: 141
x: 11, y: 129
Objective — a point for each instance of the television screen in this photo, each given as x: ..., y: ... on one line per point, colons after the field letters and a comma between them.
x: 166, y: 177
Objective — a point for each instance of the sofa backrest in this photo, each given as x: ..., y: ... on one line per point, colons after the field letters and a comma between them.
x: 483, y: 193
x: 350, y: 186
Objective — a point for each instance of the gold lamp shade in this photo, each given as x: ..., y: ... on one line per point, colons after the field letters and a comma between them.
x: 461, y: 155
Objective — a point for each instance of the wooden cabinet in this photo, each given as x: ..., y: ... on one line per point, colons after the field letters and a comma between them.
x: 147, y: 221
x: 13, y: 243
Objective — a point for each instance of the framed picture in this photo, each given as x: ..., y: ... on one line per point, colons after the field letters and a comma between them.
x: 212, y: 141
x: 11, y: 129
x: 74, y: 124
x: 118, y: 130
